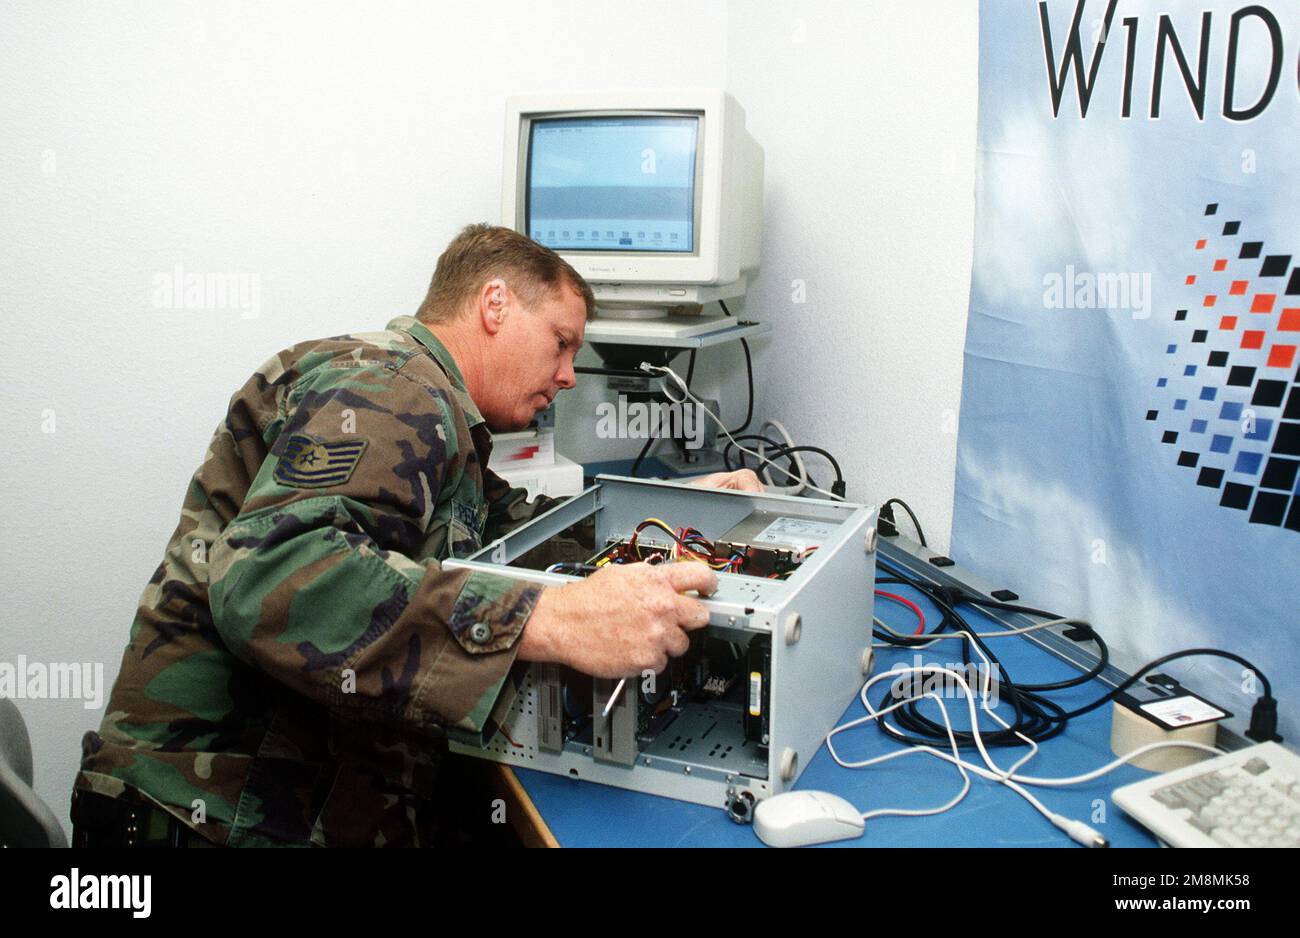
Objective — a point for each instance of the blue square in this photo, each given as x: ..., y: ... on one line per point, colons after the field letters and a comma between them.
x: 1198, y: 426
x: 1231, y: 410
x: 1171, y: 349
x: 1208, y: 393
x: 1180, y: 404
x: 1220, y: 444
x: 1247, y: 463
x: 1263, y: 427
x: 1160, y: 383
x: 1189, y: 371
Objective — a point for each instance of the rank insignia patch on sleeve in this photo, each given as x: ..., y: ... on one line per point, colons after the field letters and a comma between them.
x: 310, y: 463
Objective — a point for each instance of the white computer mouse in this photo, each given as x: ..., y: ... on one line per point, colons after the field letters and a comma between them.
x: 800, y: 818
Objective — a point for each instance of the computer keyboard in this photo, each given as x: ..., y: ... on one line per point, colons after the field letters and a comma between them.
x: 1247, y: 798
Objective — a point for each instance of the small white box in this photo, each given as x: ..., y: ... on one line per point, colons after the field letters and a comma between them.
x: 558, y: 480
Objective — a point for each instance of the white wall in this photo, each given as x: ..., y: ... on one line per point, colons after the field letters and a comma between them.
x: 866, y: 112
x: 331, y: 150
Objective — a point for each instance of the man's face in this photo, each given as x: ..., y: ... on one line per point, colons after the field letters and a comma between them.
x: 531, y: 357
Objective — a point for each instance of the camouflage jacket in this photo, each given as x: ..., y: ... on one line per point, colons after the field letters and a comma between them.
x: 300, y: 653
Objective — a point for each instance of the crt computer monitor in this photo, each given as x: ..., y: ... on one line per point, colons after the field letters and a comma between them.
x: 655, y: 197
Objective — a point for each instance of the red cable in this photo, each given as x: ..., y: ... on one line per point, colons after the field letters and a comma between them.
x: 920, y: 629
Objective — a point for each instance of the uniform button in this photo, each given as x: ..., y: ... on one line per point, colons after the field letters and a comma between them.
x: 480, y: 633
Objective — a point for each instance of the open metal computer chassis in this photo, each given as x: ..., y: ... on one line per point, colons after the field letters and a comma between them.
x: 818, y: 623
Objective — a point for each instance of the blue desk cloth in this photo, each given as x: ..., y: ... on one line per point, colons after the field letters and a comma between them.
x: 581, y: 813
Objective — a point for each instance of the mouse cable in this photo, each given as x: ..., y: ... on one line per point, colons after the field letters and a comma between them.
x: 1077, y: 830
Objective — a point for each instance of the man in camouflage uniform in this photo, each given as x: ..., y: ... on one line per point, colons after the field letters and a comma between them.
x: 300, y: 655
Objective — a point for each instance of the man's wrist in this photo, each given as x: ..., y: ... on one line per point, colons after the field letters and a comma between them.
x: 542, y: 640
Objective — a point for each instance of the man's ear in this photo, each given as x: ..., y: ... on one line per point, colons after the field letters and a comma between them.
x: 493, y: 304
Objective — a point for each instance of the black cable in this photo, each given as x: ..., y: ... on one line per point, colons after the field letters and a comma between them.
x: 1030, y: 711
x: 782, y: 451
x: 766, y: 441
x: 1035, y: 716
x: 948, y: 597
x: 736, y: 441
x: 920, y: 535
x: 636, y: 463
x: 1185, y: 653
x: 749, y: 375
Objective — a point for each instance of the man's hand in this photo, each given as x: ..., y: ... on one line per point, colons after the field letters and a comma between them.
x: 742, y: 479
x: 622, y: 620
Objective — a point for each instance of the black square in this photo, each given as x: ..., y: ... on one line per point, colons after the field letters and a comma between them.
x: 1211, y: 208
x: 1240, y: 376
x: 1252, y: 249
x: 1293, y: 516
x: 1292, y: 411
x: 1180, y: 315
x: 1152, y: 414
x: 1287, y: 441
x: 1199, y: 335
x: 1236, y: 495
x: 1275, y: 265
x: 1210, y: 478
x: 1169, y: 437
x: 1232, y: 227
x: 1293, y: 285
x: 1268, y: 393
x: 1218, y: 359
x: 1279, y: 474
x: 1269, y: 508
x: 1188, y: 459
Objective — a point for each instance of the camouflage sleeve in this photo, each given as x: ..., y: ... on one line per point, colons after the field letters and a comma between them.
x: 315, y: 583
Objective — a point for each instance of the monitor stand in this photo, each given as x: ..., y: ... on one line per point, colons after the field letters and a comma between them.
x: 660, y: 326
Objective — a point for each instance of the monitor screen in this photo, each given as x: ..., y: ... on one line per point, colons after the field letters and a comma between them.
x: 620, y: 183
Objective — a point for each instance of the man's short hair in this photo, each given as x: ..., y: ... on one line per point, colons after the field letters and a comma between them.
x: 483, y: 252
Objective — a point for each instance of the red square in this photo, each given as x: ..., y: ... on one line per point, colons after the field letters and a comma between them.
x: 1263, y: 303
x: 1221, y: 264
x: 1238, y: 288
x: 1252, y: 338
x: 1281, y: 356
x: 1200, y: 245
x: 1210, y: 300
x: 1228, y: 322
x: 1290, y: 321
x: 1191, y: 279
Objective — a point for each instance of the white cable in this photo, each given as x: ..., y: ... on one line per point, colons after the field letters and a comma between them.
x: 1032, y: 780
x: 663, y: 369
x: 1076, y: 830
x: 873, y: 715
x: 951, y: 803
x: 1114, y: 764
